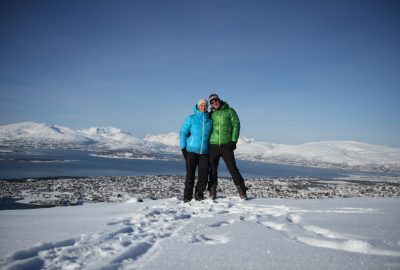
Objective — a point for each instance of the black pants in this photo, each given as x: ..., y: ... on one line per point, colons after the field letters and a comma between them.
x: 192, y: 160
x: 224, y: 151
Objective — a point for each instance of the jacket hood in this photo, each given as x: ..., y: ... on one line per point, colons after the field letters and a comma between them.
x: 198, y: 112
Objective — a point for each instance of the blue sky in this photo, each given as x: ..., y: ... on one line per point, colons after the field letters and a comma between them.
x: 295, y: 71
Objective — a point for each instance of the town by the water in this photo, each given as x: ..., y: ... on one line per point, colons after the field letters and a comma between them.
x: 63, y: 191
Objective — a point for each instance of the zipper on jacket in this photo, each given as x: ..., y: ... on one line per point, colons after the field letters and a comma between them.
x: 219, y: 133
x: 202, y: 136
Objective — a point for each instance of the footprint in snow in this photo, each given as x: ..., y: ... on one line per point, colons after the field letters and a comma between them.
x: 222, y: 223
x: 208, y: 239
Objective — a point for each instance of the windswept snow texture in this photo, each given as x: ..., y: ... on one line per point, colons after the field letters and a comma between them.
x: 224, y: 234
x: 116, y: 143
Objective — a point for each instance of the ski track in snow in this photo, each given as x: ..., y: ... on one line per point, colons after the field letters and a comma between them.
x: 129, y: 242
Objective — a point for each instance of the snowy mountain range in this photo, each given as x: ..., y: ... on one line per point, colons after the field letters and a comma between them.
x: 114, y: 142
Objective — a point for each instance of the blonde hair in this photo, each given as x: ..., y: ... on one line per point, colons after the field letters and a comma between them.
x: 202, y: 101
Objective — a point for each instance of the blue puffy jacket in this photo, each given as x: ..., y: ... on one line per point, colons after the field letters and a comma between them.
x: 195, y: 132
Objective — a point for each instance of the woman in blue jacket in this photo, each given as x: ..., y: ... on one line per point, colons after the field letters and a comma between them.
x: 194, y: 137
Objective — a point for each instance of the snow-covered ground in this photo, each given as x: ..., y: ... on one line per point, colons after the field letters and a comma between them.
x: 354, y: 233
x: 116, y: 143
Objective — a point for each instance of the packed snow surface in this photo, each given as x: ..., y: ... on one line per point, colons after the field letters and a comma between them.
x: 228, y: 233
x: 116, y: 143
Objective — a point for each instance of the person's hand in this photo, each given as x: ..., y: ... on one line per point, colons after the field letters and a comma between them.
x: 232, y: 145
x: 184, y: 153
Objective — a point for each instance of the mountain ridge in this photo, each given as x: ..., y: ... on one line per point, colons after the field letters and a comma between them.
x: 115, y: 142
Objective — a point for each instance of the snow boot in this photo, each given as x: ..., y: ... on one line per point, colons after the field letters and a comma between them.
x: 213, y: 192
x: 242, y: 192
x: 187, y: 197
x: 187, y: 194
x: 198, y: 196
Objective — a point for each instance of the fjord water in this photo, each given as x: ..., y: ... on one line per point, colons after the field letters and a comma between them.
x: 46, y: 163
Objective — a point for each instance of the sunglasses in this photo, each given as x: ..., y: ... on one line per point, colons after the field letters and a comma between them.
x: 214, y: 101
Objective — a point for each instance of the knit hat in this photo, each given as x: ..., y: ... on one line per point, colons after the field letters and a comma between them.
x: 213, y: 96
x: 202, y: 101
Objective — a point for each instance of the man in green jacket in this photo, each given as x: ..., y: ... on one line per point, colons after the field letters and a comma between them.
x: 224, y: 135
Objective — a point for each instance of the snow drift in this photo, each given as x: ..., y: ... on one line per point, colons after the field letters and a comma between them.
x: 225, y: 234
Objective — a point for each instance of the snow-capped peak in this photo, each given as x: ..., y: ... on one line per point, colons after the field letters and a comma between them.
x: 112, y: 137
x: 244, y: 139
x: 110, y: 133
x: 41, y: 132
x: 169, y: 139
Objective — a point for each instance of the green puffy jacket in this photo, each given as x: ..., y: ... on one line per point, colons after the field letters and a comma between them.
x: 226, y: 125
